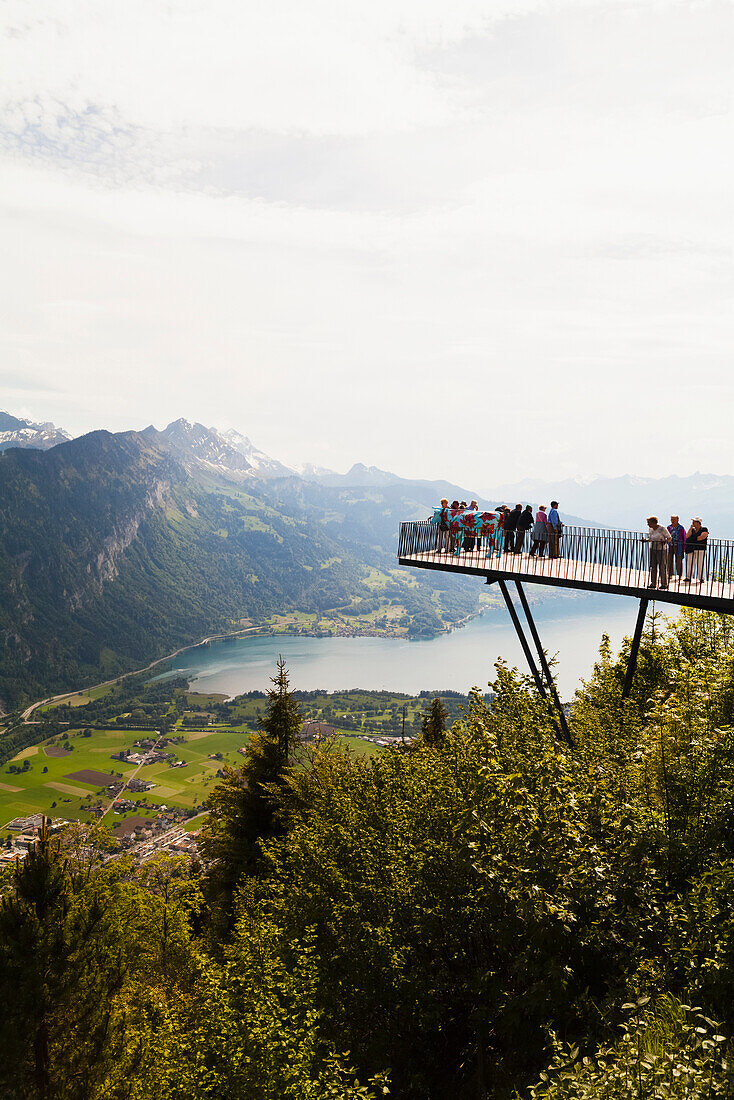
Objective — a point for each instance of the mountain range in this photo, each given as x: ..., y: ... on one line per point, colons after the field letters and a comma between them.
x: 623, y: 501
x: 118, y: 547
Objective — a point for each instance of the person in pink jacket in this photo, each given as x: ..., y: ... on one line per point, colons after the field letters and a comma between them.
x: 540, y: 532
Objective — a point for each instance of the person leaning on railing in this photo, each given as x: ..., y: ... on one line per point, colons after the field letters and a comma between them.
x: 659, y: 538
x: 696, y: 536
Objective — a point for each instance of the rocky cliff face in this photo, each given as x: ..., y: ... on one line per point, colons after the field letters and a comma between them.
x: 69, y: 519
x: 108, y: 559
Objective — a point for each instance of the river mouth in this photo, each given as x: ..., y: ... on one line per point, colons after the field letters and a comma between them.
x: 456, y: 661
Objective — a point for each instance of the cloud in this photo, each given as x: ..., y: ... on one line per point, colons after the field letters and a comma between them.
x: 339, y: 227
x: 322, y: 67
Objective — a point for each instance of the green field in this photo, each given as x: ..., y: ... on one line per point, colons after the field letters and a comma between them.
x: 43, y: 783
x: 37, y: 789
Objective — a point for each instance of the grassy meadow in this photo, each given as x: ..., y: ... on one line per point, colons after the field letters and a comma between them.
x: 44, y: 786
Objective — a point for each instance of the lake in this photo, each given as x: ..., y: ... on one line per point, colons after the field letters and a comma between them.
x: 572, y: 628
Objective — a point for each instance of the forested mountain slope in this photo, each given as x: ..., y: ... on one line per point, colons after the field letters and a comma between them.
x: 112, y: 553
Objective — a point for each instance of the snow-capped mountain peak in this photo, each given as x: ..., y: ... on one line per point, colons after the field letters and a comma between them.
x: 262, y: 463
x: 229, y: 453
x: 16, y: 432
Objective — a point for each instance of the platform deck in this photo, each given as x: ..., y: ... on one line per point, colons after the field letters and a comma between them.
x: 712, y: 593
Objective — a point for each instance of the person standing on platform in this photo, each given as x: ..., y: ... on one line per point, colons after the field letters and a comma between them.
x: 452, y: 537
x: 554, y: 530
x: 676, y: 548
x: 659, y: 538
x: 524, y: 523
x: 444, y: 538
x: 470, y: 515
x: 540, y: 532
x: 511, y: 518
x: 474, y: 505
x: 696, y: 536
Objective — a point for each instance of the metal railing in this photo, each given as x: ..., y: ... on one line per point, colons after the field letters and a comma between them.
x: 586, y: 555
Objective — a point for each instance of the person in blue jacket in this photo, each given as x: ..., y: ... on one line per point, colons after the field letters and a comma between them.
x: 675, y: 550
x: 554, y: 530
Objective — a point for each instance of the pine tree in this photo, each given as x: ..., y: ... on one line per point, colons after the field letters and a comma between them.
x: 242, y: 806
x: 283, y: 719
x: 60, y: 970
x: 434, y: 723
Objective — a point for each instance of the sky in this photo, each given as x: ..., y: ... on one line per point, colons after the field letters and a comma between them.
x: 473, y: 241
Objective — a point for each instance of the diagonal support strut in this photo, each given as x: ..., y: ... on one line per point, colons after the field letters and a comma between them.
x: 635, y: 649
x: 525, y: 647
x: 544, y: 665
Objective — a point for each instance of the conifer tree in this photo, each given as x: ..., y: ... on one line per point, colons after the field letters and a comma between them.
x: 434, y: 723
x: 60, y: 969
x: 242, y: 806
x: 283, y: 719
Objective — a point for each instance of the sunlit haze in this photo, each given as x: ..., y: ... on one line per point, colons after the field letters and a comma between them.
x: 476, y: 241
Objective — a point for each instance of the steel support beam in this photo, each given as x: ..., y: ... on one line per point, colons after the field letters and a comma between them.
x: 523, y: 640
x: 544, y: 665
x: 635, y: 649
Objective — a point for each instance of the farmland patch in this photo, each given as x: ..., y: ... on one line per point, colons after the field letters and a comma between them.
x: 128, y: 825
x: 67, y: 788
x: 97, y: 779
x: 32, y: 751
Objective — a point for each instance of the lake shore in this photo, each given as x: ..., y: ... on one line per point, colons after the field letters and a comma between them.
x: 455, y: 660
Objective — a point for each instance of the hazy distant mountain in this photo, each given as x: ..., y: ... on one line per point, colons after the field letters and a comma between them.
x: 358, y: 475
x: 15, y: 432
x: 361, y: 476
x: 314, y: 473
x: 627, y: 501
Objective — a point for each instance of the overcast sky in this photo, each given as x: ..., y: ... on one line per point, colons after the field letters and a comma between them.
x: 480, y: 241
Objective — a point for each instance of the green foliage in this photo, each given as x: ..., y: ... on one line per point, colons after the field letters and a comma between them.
x: 700, y: 949
x: 59, y: 970
x: 105, y: 993
x: 437, y: 913
x: 674, y: 1052
x: 458, y: 893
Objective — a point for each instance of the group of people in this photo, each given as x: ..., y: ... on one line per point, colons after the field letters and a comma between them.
x: 670, y: 546
x: 542, y: 528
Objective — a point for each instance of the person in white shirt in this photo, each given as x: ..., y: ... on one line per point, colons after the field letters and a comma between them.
x: 659, y: 538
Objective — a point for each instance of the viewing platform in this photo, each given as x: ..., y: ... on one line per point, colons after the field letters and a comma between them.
x: 592, y: 559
